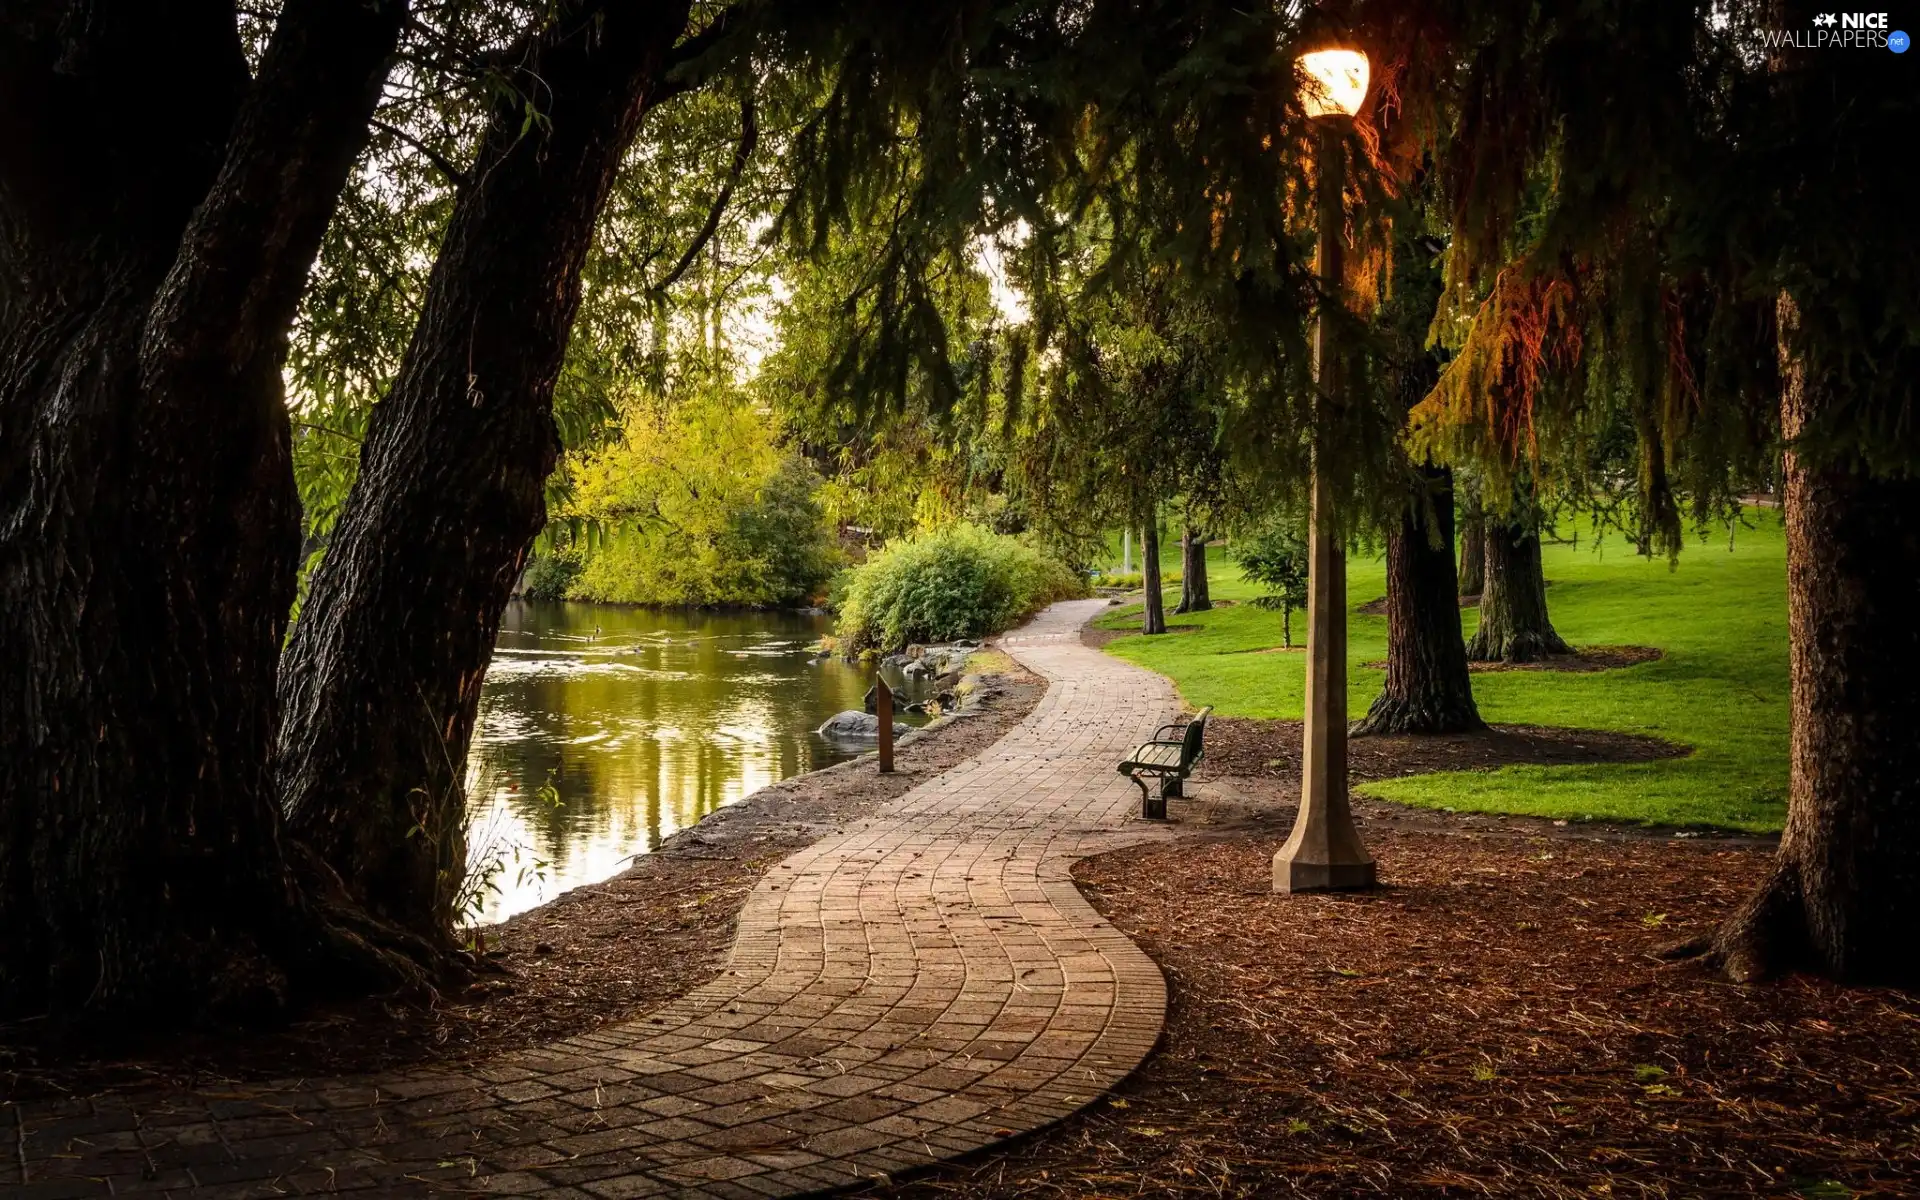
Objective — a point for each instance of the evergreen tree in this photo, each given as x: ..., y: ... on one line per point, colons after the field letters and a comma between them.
x: 1428, y: 688
x: 1513, y: 603
x: 1716, y: 242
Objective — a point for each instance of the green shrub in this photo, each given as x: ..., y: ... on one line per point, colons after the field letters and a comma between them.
x: 1117, y: 579
x: 754, y: 543
x: 961, y: 581
x: 699, y: 505
x: 786, y: 538
x: 550, y: 575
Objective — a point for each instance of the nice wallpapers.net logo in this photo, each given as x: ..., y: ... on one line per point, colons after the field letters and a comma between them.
x: 1841, y: 31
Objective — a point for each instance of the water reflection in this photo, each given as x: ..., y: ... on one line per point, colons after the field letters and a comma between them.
x: 603, y: 730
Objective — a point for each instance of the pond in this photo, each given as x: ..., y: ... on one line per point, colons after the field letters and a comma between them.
x: 604, y: 729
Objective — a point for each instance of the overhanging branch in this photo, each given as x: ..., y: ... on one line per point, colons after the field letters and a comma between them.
x: 454, y: 174
x: 742, y: 153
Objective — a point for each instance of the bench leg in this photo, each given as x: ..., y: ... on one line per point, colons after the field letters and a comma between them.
x: 1170, y: 788
x: 1152, y: 807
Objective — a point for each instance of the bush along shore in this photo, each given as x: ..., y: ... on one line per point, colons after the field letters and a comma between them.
x: 960, y: 582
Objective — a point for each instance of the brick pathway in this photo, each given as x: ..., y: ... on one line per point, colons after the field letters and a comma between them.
x: 925, y: 984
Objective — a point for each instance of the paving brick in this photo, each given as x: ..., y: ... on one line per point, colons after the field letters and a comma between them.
x: 627, y: 1187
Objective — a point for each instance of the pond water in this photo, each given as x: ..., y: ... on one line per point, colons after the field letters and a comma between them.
x: 604, y: 729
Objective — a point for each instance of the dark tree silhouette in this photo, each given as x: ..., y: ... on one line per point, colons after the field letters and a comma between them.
x: 159, y: 210
x: 382, y: 679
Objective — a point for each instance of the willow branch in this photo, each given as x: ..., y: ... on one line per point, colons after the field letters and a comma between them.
x: 749, y: 136
x: 454, y: 174
x: 680, y: 78
x: 342, y: 435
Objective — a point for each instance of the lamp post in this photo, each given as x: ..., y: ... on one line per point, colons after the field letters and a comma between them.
x: 1324, y: 852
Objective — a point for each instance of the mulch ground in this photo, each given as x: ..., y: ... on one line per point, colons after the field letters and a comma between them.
x: 594, y: 956
x: 1491, y: 1021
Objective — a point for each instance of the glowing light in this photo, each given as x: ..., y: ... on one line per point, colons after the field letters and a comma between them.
x: 1336, y: 82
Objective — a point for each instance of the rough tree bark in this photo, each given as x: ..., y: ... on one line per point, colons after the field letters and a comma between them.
x: 148, y: 525
x: 1154, y: 620
x: 382, y: 677
x: 1194, y: 596
x: 1513, y: 605
x: 1473, y: 547
x: 1429, y: 689
x: 1844, y: 896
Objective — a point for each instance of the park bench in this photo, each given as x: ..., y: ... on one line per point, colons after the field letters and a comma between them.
x: 1169, y: 757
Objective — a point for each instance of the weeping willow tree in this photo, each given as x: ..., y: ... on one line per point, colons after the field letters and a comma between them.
x: 169, y: 845
x: 1149, y: 168
x: 1660, y: 214
x: 458, y: 460
x: 148, y: 519
x: 931, y: 450
x: 1117, y: 149
x: 381, y: 681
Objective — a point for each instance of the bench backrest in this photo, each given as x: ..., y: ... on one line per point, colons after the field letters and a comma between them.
x: 1193, y: 745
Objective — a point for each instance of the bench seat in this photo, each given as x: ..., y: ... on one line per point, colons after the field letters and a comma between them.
x: 1154, y: 756
x: 1169, y: 757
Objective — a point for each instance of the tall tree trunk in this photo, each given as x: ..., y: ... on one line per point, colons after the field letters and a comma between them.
x: 1844, y: 895
x: 382, y: 677
x: 1155, y: 619
x: 1473, y: 547
x: 1513, y: 606
x: 148, y: 524
x: 1194, y: 596
x: 1429, y: 689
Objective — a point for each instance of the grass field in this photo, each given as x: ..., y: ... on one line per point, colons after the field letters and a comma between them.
x: 1720, y: 617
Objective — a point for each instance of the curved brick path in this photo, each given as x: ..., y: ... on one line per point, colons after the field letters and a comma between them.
x: 922, y: 985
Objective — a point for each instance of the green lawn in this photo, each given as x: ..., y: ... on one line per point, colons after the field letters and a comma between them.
x: 1720, y: 616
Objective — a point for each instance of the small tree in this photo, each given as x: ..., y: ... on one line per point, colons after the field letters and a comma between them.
x: 1275, y: 557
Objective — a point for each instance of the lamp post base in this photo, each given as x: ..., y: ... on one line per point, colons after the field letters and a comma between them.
x: 1292, y: 875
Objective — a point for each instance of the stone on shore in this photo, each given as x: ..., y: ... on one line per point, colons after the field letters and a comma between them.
x: 853, y: 725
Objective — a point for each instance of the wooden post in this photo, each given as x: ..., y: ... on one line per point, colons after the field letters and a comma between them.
x: 1325, y: 851
x: 883, y: 707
